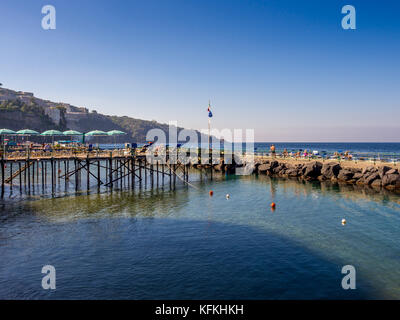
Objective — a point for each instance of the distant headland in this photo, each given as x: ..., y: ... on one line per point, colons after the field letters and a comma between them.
x: 19, y: 110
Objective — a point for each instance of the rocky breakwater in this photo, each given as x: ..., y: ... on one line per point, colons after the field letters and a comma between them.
x: 375, y: 176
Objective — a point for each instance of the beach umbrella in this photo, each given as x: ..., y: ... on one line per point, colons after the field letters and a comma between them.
x: 95, y: 133
x: 73, y: 133
x: 52, y: 133
x: 28, y: 132
x: 6, y: 132
x: 115, y: 133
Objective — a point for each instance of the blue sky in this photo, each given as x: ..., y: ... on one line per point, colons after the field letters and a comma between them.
x: 284, y: 68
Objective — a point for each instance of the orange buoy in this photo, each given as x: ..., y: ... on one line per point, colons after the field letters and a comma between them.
x: 211, y: 193
x: 273, y: 205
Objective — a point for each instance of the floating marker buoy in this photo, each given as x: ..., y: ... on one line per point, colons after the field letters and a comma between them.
x: 344, y: 221
x: 211, y: 193
x: 228, y: 196
x: 273, y: 205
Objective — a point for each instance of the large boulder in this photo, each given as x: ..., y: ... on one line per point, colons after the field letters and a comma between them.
x: 274, y: 164
x: 293, y: 172
x: 377, y: 183
x: 369, y: 178
x: 357, y: 176
x: 264, y: 168
x: 312, y: 170
x: 369, y: 169
x: 345, y: 175
x: 391, y: 180
x: 392, y: 171
x: 330, y: 169
x: 279, y: 169
x: 382, y: 170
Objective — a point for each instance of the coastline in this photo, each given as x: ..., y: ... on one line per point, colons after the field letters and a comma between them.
x: 377, y: 174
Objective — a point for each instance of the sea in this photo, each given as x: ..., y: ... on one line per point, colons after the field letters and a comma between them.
x: 182, y: 243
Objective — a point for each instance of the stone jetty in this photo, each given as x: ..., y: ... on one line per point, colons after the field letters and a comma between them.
x: 377, y: 176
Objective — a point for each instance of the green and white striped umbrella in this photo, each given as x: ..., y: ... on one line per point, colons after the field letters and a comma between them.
x: 28, y: 132
x: 52, y: 133
x: 7, y: 132
x: 72, y: 133
x: 115, y: 133
x: 95, y: 133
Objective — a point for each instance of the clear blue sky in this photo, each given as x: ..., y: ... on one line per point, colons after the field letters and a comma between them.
x: 285, y: 68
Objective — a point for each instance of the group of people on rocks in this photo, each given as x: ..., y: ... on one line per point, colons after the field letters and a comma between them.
x: 299, y: 154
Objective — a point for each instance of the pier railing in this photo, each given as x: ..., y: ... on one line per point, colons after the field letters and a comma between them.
x: 39, y: 153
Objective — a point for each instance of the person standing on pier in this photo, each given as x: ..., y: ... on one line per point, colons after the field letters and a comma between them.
x: 272, y: 149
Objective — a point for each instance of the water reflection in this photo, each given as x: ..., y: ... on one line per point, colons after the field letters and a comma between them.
x: 303, y: 235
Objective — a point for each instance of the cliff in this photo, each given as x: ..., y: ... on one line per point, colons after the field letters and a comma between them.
x: 20, y: 110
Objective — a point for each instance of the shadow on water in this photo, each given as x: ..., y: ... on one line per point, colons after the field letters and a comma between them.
x: 168, y: 259
x: 166, y: 244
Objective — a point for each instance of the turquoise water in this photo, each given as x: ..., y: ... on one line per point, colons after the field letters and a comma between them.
x: 184, y: 244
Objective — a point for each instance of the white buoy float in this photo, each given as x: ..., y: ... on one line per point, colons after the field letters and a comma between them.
x: 227, y: 196
x: 344, y: 221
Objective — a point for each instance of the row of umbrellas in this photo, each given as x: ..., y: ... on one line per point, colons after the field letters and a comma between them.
x: 29, y: 132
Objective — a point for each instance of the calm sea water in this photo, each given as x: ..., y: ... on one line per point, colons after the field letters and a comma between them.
x: 366, y: 148
x: 184, y: 244
x: 354, y: 147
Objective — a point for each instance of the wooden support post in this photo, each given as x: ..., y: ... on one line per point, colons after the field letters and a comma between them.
x: 45, y: 172
x: 11, y: 175
x: 140, y: 172
x: 157, y: 172
x: 42, y: 171
x: 121, y: 177
x: 52, y: 175
x: 133, y: 172
x: 170, y: 176
x: 163, y: 173
x: 106, y: 171
x: 67, y: 169
x: 124, y: 172
x: 20, y: 177
x: 65, y: 175
x: 57, y: 171
x: 76, y: 174
x: 145, y: 172
x: 2, y: 175
x: 87, y: 172
x: 110, y: 172
x: 79, y: 173
x: 29, y: 174
x: 37, y: 171
x: 98, y: 173
x: 33, y: 176
x: 152, y: 174
x: 175, y: 175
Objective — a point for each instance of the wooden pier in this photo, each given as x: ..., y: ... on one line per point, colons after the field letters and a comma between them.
x: 53, y: 172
